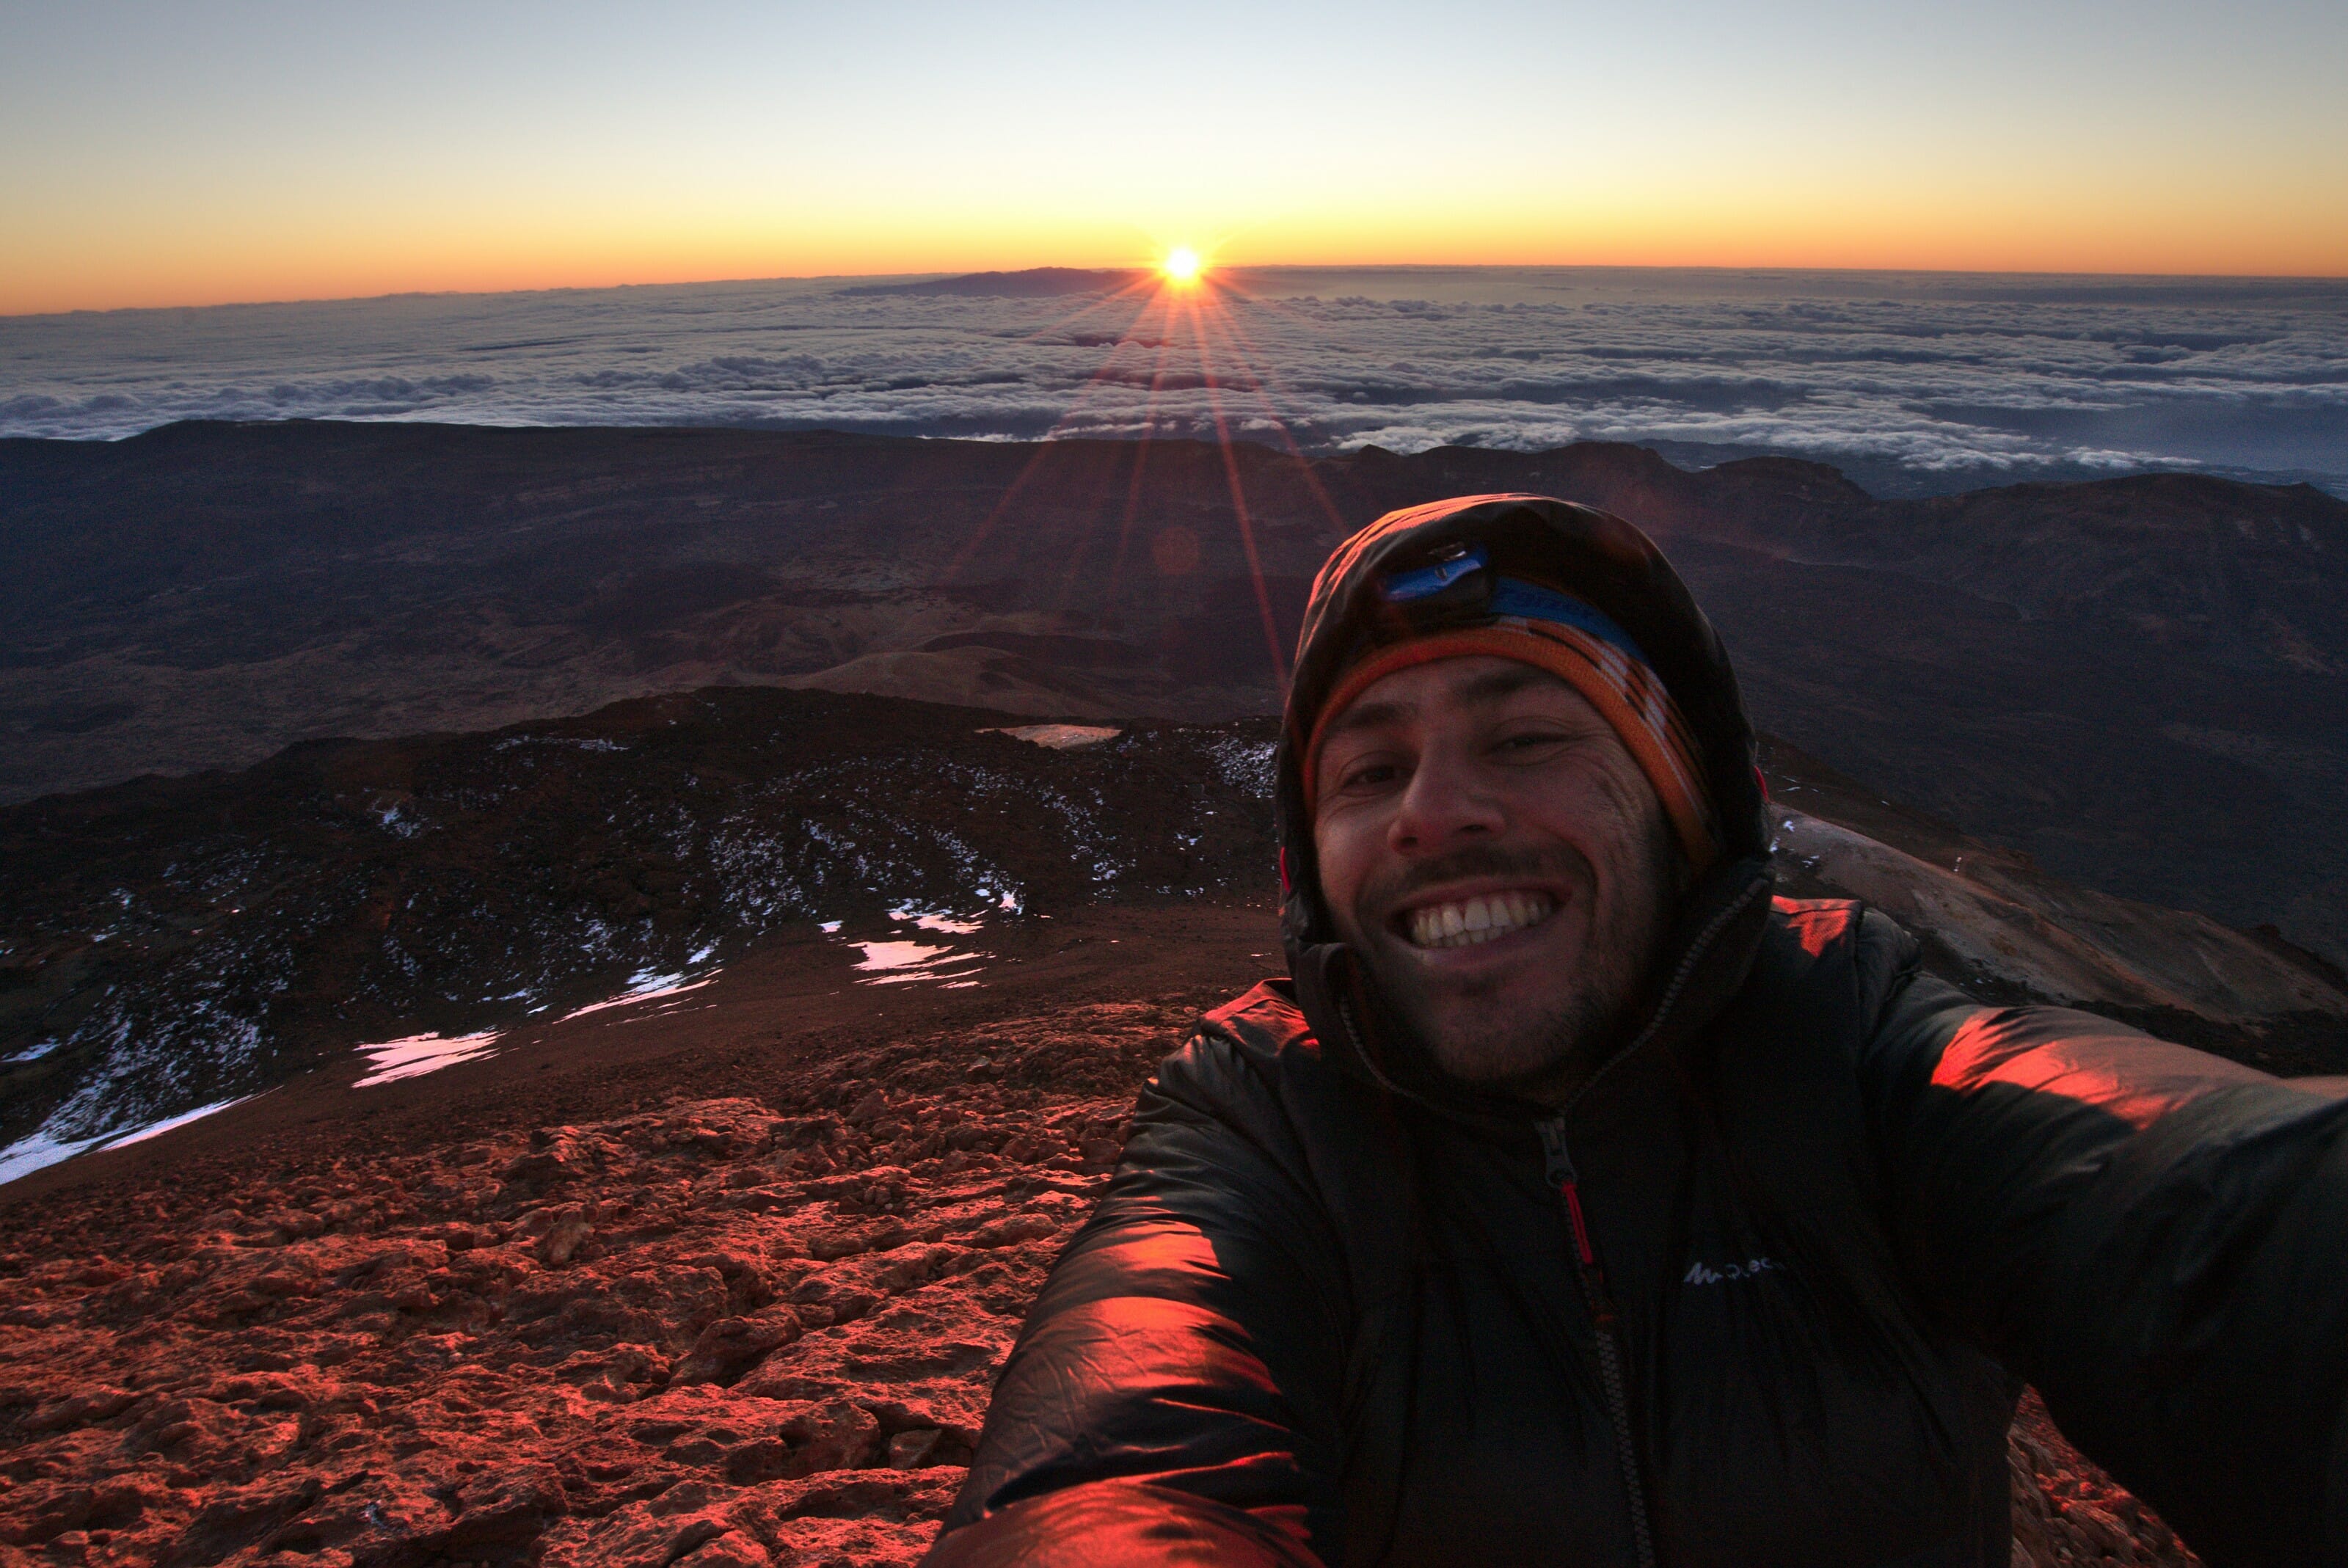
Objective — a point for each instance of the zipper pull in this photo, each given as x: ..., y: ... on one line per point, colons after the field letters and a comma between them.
x: 1560, y: 1165
x: 1569, y: 1186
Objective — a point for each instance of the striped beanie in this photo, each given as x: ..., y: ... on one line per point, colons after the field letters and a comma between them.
x: 1534, y: 623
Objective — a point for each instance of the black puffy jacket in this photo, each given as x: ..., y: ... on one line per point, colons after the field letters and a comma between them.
x: 1763, y: 1293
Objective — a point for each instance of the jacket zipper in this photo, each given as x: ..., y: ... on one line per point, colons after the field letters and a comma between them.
x: 1602, y: 1313
x: 1587, y: 1271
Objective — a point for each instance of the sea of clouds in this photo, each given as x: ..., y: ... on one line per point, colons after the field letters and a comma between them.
x: 1912, y: 382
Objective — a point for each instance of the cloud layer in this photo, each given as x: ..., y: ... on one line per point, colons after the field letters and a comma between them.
x: 1914, y: 381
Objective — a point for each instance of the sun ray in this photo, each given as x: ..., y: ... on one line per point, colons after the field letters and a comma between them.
x: 1202, y: 303
x: 1133, y: 489
x: 1239, y: 504
x: 1264, y: 388
x: 1103, y: 497
x: 1043, y: 450
x: 1229, y: 284
x: 1141, y: 280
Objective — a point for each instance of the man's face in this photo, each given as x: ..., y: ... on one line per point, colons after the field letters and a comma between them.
x: 1493, y: 852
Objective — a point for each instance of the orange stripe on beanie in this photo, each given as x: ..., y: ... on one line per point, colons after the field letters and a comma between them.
x: 1625, y: 691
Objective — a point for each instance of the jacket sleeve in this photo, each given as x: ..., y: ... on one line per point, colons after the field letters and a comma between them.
x: 2155, y: 1238
x: 1174, y: 1394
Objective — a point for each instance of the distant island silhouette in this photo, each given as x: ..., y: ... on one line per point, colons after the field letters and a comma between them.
x: 1032, y: 282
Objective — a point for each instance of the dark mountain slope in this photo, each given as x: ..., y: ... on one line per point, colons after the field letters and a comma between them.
x: 2140, y: 681
x: 173, y: 943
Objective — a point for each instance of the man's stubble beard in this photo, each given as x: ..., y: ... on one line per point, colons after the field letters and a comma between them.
x: 1473, y: 1034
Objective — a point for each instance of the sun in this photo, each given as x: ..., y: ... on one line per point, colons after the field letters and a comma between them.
x: 1181, y: 265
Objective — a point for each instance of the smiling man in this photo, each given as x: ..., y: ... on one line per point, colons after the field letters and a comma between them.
x: 1576, y: 1202
x: 1490, y: 850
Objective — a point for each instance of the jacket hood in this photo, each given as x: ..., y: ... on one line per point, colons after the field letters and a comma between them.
x: 1588, y: 552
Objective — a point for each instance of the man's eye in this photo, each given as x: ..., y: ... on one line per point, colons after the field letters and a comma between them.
x: 1520, y: 744
x: 1369, y: 776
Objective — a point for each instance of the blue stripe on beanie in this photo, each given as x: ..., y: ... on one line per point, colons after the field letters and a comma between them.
x: 1531, y: 602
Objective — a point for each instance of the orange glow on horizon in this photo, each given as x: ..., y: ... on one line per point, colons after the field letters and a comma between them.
x: 1181, y: 266
x: 165, y: 259
x: 216, y: 155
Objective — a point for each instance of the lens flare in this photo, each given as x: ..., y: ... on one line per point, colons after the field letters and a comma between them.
x: 1189, y: 317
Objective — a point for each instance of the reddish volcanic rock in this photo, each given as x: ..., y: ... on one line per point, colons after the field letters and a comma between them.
x: 2066, y: 1509
x: 725, y: 1331
x: 729, y: 1332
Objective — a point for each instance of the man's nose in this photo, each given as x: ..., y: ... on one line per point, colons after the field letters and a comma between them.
x: 1446, y: 799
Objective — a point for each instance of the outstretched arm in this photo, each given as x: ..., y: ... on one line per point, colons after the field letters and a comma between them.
x: 2155, y: 1237
x: 1173, y: 1397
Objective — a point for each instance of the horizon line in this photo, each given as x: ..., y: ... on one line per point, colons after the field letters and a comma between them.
x: 1240, y: 268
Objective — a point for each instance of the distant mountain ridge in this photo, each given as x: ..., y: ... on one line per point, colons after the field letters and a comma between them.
x: 2143, y: 682
x: 1031, y: 282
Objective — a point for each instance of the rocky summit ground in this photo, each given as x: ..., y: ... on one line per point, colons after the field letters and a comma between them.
x: 724, y: 1288
x: 722, y: 1329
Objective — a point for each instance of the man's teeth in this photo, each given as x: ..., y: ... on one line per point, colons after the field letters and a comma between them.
x: 1475, y: 920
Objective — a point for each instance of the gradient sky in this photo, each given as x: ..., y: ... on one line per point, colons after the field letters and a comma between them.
x: 186, y: 152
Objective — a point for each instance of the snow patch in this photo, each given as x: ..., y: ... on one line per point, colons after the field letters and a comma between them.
x: 156, y: 1129
x: 643, y: 985
x: 415, y: 1054
x: 914, y: 961
x: 1058, y: 736
x: 897, y: 961
x: 38, y: 1150
x: 900, y: 955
